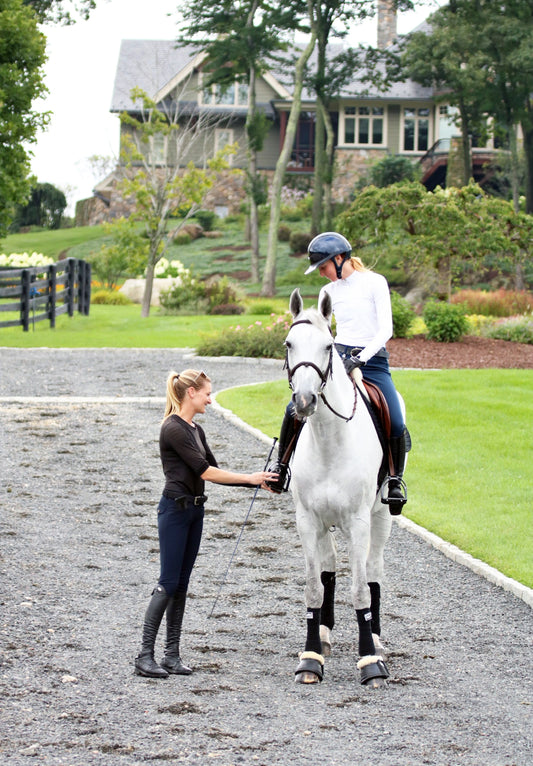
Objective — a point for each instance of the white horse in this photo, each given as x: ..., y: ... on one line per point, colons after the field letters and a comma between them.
x: 334, y: 484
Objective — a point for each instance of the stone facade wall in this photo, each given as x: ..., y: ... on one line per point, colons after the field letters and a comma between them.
x: 350, y: 165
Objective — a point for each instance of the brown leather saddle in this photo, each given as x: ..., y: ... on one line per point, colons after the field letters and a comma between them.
x: 379, y: 410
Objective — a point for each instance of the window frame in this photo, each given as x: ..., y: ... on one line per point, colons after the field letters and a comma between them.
x: 357, y: 117
x: 417, y: 118
x: 240, y: 90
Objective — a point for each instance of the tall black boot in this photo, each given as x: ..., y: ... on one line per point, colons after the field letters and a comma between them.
x: 145, y: 665
x: 397, y: 494
x: 290, y: 429
x: 172, y: 660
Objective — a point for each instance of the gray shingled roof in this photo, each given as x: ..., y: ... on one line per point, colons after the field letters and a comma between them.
x: 147, y: 64
x: 151, y: 64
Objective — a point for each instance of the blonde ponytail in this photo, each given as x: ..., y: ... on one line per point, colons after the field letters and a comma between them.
x: 177, y: 385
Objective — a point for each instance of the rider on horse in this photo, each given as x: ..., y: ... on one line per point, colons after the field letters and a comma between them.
x: 363, y: 314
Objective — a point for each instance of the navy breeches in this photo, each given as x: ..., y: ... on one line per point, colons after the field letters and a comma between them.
x: 180, y: 533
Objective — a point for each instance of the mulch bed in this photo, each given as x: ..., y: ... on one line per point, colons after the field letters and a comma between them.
x: 471, y: 352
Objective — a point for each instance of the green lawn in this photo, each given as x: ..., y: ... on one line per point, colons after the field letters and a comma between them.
x: 120, y: 327
x: 54, y: 243
x: 469, y: 471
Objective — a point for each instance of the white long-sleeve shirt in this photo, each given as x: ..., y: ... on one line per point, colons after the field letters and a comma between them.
x: 363, y: 313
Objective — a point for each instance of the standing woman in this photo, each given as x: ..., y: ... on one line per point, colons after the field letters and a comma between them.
x: 187, y: 464
x: 362, y: 307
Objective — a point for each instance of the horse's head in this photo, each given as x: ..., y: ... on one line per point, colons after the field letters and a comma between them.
x: 309, y: 352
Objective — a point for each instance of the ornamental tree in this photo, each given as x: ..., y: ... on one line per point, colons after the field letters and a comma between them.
x: 159, y: 178
x: 442, y: 230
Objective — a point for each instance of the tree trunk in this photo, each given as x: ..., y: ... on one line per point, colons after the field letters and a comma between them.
x: 148, y: 286
x: 252, y: 178
x: 320, y: 170
x: 269, y: 276
x: 527, y: 130
x: 327, y: 213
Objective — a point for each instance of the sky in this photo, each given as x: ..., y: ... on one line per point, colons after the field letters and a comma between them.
x: 80, y: 73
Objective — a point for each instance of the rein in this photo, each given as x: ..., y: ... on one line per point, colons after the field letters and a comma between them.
x: 323, y: 375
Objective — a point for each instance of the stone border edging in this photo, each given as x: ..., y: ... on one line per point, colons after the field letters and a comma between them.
x: 450, y: 551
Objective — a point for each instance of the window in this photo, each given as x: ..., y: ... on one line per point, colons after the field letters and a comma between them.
x: 157, y: 149
x: 234, y: 94
x: 363, y: 125
x: 415, y: 129
x: 223, y: 137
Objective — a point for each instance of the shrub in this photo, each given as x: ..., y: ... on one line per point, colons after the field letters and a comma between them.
x: 227, y: 309
x: 403, y: 315
x: 445, y: 322
x: 284, y: 233
x: 110, y: 298
x: 182, y: 238
x: 220, y: 292
x: 499, y: 303
x: 205, y: 218
x: 517, y: 329
x: 191, y: 295
x: 299, y: 241
x: 24, y: 260
x: 256, y: 340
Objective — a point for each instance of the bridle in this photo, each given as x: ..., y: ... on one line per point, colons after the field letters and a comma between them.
x: 324, y: 375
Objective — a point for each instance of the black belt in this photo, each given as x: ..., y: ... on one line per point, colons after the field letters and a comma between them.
x: 184, y: 500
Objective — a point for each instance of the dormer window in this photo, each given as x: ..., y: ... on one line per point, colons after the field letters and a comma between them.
x: 232, y: 95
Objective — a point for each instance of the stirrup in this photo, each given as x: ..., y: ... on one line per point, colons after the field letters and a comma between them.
x: 281, y: 484
x: 395, y: 503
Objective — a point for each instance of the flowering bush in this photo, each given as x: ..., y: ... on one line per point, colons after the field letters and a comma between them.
x: 261, y: 339
x: 518, y: 329
x: 498, y: 303
x: 24, y: 260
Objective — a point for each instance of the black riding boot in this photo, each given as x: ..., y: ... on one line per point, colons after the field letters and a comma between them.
x: 290, y: 428
x: 397, y: 491
x: 145, y: 665
x: 172, y: 660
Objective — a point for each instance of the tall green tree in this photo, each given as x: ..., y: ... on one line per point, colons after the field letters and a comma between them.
x: 60, y: 11
x: 241, y: 39
x: 22, y: 57
x: 44, y: 208
x: 480, y: 53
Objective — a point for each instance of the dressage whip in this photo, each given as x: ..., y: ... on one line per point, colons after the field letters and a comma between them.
x: 242, y: 530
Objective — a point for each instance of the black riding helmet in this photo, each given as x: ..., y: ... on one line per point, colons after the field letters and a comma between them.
x: 324, y: 247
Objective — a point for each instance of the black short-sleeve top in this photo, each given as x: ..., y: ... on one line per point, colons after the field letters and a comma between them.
x: 185, y: 455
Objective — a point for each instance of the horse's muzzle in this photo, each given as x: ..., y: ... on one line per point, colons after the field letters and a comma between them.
x: 304, y: 404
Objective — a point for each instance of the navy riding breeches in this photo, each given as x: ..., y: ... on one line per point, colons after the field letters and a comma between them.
x: 180, y: 533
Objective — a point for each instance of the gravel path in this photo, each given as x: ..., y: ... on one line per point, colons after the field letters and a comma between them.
x: 79, y: 558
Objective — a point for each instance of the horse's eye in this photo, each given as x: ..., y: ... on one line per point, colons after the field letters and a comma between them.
x: 287, y: 344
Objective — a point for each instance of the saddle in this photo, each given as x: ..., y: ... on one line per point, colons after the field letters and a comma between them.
x: 379, y: 412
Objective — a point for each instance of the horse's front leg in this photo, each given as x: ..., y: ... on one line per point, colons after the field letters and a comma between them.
x: 319, y: 551
x: 380, y: 528
x: 371, y: 664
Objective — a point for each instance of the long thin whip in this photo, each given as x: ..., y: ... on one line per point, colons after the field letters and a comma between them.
x: 242, y: 530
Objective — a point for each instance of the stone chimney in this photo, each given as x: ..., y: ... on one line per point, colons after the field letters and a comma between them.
x: 386, y: 23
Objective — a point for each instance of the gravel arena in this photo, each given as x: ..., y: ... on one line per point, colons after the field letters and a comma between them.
x: 81, y: 479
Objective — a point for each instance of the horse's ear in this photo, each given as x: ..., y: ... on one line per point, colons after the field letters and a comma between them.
x: 325, y: 306
x: 296, y: 304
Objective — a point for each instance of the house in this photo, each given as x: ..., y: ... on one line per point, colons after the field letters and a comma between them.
x: 404, y: 120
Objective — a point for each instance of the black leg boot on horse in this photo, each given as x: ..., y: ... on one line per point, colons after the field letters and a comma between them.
x: 310, y: 669
x: 145, y: 664
x: 171, y: 662
x: 290, y: 430
x: 397, y: 490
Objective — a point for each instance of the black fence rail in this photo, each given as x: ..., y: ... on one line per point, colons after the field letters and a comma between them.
x: 45, y: 292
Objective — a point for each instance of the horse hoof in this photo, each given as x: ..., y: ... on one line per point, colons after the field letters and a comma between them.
x: 325, y: 641
x: 375, y: 683
x: 307, y: 678
x: 311, y: 668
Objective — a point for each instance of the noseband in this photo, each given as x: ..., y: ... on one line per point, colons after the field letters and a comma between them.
x: 322, y: 374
